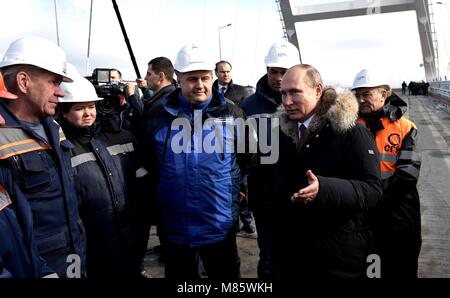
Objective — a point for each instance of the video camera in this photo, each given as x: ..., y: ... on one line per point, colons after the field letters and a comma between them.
x: 109, y: 90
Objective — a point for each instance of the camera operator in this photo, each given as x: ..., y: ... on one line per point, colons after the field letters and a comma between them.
x: 122, y: 101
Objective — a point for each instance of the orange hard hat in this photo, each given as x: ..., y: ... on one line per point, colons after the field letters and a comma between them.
x: 3, y: 92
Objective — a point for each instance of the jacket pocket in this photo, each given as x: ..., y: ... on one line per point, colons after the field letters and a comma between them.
x: 35, y: 174
x: 52, y: 242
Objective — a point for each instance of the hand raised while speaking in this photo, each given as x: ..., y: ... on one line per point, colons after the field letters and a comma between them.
x: 308, y: 194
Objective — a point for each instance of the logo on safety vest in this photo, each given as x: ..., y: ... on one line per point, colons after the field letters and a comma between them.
x: 394, y: 143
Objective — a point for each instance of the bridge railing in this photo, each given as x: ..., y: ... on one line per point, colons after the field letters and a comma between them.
x: 441, y: 88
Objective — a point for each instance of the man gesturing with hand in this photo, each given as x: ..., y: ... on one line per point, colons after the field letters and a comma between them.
x: 308, y: 194
x: 328, y: 179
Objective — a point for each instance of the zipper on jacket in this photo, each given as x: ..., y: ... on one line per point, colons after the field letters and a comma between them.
x: 224, y: 141
x: 17, y: 170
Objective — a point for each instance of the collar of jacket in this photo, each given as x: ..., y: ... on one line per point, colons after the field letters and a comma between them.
x: 171, y: 104
x: 84, y: 133
x: 51, y: 126
x: 395, y: 107
x: 373, y: 121
x: 10, y: 119
x: 340, y: 109
x: 163, y: 91
x: 264, y: 90
x: 216, y: 85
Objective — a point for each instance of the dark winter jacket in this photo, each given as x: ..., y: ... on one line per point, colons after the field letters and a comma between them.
x: 153, y: 104
x: 397, y: 222
x: 105, y: 164
x: 41, y: 169
x: 19, y: 257
x: 198, y: 189
x: 329, y: 237
x: 261, y: 107
x: 157, y: 98
x: 236, y: 93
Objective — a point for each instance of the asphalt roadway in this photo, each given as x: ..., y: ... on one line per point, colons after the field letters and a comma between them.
x: 432, y: 117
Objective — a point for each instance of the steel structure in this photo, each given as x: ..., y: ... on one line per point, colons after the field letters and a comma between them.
x: 294, y: 14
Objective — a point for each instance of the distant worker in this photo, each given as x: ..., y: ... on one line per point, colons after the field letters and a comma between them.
x: 104, y: 162
x: 225, y: 85
x: 425, y: 85
x: 35, y: 152
x: 404, y: 85
x: 261, y: 182
x: 410, y: 87
x: 397, y: 223
x: 198, y: 188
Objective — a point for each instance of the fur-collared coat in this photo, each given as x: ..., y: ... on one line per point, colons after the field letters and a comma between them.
x: 328, y: 237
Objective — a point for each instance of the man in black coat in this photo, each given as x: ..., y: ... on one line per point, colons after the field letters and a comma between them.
x: 224, y: 83
x: 328, y: 178
x: 160, y: 81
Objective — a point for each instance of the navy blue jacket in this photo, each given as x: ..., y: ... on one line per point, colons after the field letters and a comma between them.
x: 19, y: 257
x: 105, y: 164
x: 42, y: 172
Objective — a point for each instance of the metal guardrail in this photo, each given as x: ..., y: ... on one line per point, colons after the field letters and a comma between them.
x: 441, y: 88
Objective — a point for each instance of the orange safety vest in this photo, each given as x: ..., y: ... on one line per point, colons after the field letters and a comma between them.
x: 389, y: 141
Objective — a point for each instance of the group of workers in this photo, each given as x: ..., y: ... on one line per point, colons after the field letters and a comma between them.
x: 338, y: 183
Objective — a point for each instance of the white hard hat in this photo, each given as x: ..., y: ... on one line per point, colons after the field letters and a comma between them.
x: 283, y: 55
x: 368, y: 78
x: 39, y: 52
x: 191, y: 58
x: 81, y: 90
